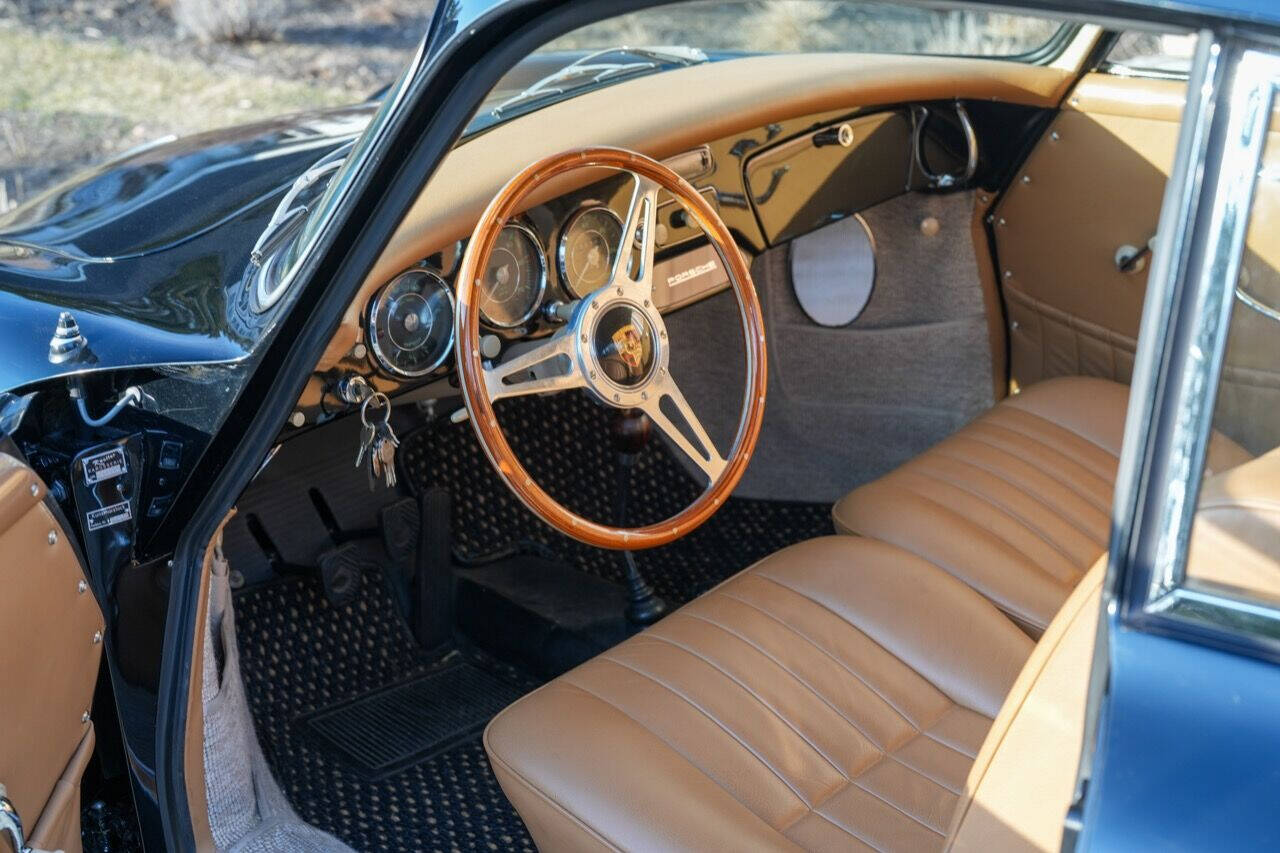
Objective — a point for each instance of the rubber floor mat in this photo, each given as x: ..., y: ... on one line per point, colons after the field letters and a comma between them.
x: 389, y: 729
x: 563, y: 441
x: 301, y: 655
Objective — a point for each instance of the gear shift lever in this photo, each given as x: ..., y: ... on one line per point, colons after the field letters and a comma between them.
x: 629, y: 430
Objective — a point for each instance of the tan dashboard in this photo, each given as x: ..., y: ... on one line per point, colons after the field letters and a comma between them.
x: 730, y: 108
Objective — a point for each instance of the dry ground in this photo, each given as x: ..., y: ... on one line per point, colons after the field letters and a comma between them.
x: 82, y: 80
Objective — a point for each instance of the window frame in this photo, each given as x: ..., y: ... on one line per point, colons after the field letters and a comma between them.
x: 1199, y: 268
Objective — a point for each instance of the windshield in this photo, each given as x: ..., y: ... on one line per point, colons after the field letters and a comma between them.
x: 678, y: 35
x: 672, y: 36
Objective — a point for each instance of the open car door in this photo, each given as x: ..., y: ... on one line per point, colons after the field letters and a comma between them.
x: 50, y: 647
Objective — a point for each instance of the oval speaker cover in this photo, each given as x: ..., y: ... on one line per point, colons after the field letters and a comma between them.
x: 833, y: 270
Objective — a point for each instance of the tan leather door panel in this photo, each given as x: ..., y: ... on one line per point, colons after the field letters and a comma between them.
x: 1095, y: 182
x: 50, y: 647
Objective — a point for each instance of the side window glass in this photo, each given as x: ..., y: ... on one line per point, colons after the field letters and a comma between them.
x: 1137, y: 54
x: 1235, y: 540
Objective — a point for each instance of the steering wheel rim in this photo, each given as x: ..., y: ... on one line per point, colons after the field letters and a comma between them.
x: 624, y: 292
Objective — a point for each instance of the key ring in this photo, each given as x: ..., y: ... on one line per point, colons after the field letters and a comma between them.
x: 379, y: 401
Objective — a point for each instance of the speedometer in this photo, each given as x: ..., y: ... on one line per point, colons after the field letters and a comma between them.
x: 411, y: 323
x: 514, y: 279
x: 587, y: 250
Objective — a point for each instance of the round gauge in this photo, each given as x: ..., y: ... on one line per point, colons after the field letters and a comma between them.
x: 411, y: 323
x: 587, y: 250
x: 514, y: 279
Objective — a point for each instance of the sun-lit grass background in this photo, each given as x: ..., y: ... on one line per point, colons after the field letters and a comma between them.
x: 83, y: 80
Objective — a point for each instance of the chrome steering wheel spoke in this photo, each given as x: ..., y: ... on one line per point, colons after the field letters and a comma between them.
x: 700, y: 449
x: 638, y: 237
x: 520, y: 375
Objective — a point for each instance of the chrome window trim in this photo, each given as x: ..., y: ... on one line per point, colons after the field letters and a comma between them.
x: 1212, y: 277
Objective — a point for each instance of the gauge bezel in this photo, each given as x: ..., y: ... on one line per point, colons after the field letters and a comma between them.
x: 562, y: 262
x: 380, y: 357
x: 541, y: 254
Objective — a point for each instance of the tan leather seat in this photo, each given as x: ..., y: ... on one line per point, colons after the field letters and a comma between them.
x: 840, y: 694
x: 1018, y: 503
x: 833, y: 696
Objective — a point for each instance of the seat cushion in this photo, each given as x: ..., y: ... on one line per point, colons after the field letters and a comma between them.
x: 1018, y: 503
x: 833, y: 696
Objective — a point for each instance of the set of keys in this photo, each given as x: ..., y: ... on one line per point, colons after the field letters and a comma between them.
x: 378, y: 441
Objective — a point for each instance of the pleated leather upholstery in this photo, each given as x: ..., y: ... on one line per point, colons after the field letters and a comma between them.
x: 1018, y: 503
x: 831, y: 697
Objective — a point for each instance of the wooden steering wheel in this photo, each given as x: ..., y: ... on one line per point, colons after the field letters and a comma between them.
x: 614, y: 344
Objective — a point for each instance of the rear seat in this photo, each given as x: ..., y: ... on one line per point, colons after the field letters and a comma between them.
x: 1017, y: 504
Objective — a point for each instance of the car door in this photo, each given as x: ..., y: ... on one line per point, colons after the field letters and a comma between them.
x: 51, y: 634
x: 1074, y: 234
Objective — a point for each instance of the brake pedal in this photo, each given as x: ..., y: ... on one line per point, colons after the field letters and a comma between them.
x: 341, y: 572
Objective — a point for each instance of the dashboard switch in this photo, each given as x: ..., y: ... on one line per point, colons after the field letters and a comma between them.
x: 840, y: 134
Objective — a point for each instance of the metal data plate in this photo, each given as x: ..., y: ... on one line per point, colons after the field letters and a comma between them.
x: 688, y: 277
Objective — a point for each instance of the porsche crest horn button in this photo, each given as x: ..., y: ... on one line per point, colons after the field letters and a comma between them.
x: 624, y: 344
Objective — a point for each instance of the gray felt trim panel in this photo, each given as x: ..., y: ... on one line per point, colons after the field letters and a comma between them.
x: 849, y: 404
x: 247, y: 810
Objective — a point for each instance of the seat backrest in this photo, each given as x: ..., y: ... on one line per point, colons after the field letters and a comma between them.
x: 1022, y: 780
x: 1236, y: 537
x: 1021, y: 784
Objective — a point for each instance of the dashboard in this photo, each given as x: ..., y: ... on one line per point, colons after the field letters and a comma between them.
x: 769, y: 180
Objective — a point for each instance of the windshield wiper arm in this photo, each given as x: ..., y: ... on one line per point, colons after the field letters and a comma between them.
x: 586, y: 70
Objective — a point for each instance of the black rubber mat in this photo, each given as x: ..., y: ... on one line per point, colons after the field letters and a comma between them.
x: 299, y: 655
x: 303, y: 657
x: 563, y: 441
x: 393, y: 727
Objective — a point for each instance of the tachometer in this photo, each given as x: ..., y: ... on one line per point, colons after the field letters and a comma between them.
x: 514, y: 280
x: 411, y: 323
x: 588, y: 248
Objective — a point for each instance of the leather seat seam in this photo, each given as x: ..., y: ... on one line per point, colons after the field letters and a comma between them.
x: 1023, y: 410
x: 1051, y: 475
x: 929, y: 734
x: 849, y: 832
x: 1078, y: 461
x: 1012, y: 516
x: 954, y: 514
x: 908, y: 720
x: 893, y: 756
x: 897, y: 808
x: 759, y: 699
x: 922, y: 676
x: 1074, y: 522
x: 681, y: 753
x: 853, y: 725
x: 692, y: 704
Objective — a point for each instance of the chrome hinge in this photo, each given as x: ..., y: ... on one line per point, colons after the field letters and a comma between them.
x: 12, y: 824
